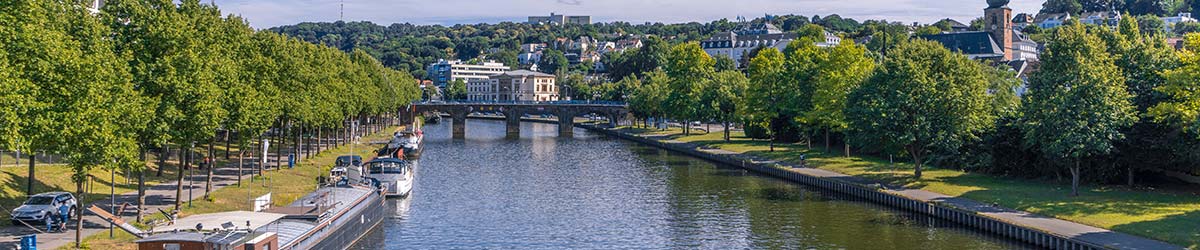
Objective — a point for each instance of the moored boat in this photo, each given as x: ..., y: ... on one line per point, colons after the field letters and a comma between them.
x: 335, y: 216
x: 394, y: 174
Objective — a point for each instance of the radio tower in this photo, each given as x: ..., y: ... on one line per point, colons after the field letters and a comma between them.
x: 342, y: 10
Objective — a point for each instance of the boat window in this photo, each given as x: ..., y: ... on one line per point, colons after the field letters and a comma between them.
x: 387, y: 168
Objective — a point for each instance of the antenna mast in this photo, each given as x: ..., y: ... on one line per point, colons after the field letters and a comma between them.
x: 342, y: 10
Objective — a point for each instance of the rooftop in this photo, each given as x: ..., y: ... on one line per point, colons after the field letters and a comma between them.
x: 214, y: 220
x: 976, y: 44
x: 526, y: 73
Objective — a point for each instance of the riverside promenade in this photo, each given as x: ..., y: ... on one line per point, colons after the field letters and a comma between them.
x: 1035, y: 229
x: 160, y: 196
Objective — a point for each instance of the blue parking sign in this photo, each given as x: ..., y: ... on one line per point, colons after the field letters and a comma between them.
x: 29, y: 242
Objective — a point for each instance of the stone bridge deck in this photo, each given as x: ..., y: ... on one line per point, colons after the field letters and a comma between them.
x: 566, y: 111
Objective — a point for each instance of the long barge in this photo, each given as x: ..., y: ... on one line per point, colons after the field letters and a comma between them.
x: 335, y: 216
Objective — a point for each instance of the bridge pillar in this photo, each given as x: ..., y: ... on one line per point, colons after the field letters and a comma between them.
x: 512, y: 118
x: 566, y: 122
x: 614, y: 118
x: 460, y: 123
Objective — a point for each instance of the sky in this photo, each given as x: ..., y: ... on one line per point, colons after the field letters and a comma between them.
x: 270, y: 13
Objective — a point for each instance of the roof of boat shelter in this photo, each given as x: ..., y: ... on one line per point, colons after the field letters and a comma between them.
x: 239, y: 219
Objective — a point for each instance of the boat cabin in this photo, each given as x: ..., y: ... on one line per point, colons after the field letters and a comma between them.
x: 387, y: 166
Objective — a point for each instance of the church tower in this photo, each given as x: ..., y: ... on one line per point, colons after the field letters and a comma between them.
x: 997, y: 19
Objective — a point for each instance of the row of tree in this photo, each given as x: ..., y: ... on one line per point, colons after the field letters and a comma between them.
x: 102, y: 89
x: 1103, y: 102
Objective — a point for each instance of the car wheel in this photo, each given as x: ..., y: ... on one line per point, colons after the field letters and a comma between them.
x: 71, y: 213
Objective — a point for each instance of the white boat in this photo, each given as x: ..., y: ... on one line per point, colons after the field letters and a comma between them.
x: 395, y: 174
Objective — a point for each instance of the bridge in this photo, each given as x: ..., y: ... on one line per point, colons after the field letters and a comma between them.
x: 565, y: 111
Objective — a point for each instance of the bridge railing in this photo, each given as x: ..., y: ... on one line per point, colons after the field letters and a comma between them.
x: 573, y: 102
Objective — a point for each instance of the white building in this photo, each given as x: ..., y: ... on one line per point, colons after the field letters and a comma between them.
x: 444, y: 72
x: 556, y: 19
x: 1170, y: 22
x: 737, y: 45
x: 1101, y: 18
x: 519, y: 85
x: 1051, y: 20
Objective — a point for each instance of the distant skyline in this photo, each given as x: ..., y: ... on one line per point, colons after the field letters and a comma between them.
x: 271, y: 13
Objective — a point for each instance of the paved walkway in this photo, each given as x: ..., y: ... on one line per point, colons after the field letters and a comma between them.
x: 157, y: 197
x: 1063, y: 228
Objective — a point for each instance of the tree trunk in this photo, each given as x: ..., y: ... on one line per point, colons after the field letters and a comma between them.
x: 164, y: 154
x: 78, y: 215
x: 1075, y: 179
x: 179, y: 178
x: 32, y: 175
x: 228, y: 139
x: 917, y: 162
x: 141, y: 195
x: 827, y: 149
x: 262, y: 160
x: 210, y: 165
x: 279, y: 144
x: 846, y: 143
x: 726, y: 123
x: 241, y: 164
x: 297, y: 146
x: 771, y: 143
x: 1129, y: 180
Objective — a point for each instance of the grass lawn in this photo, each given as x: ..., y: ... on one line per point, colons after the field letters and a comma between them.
x: 58, y: 178
x: 1160, y: 214
x: 285, y: 186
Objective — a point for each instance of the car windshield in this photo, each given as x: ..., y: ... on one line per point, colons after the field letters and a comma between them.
x: 387, y: 168
x: 40, y: 200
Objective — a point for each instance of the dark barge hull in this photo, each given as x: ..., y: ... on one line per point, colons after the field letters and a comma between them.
x: 351, y: 227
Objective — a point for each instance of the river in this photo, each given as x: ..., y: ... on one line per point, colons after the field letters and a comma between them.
x: 596, y: 192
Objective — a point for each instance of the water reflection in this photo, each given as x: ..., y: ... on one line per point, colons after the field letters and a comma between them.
x: 593, y: 192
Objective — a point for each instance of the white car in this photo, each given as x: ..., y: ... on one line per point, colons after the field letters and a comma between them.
x: 44, y: 208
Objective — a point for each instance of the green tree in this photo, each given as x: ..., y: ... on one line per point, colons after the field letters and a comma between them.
x: 85, y: 107
x: 1062, y: 6
x: 176, y: 63
x: 689, y: 67
x: 507, y: 57
x: 724, y: 63
x: 928, y: 30
x: 1077, y: 105
x: 552, y: 61
x: 650, y: 97
x: 725, y: 95
x: 1182, y: 106
x: 766, y: 89
x: 922, y: 97
x: 838, y: 71
x: 1150, y: 24
x: 457, y: 90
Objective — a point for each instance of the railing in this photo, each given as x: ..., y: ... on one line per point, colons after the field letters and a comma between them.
x: 575, y: 102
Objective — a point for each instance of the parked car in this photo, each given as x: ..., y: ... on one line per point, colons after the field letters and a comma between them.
x: 43, y: 208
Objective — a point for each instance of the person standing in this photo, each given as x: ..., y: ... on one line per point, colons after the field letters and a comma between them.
x: 64, y: 213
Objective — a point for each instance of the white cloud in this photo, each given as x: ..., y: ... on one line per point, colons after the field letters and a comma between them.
x: 270, y: 13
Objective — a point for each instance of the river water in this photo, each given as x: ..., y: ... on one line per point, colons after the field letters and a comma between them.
x: 596, y: 192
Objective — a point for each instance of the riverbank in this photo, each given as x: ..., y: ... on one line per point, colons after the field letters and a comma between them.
x: 285, y: 185
x: 956, y: 196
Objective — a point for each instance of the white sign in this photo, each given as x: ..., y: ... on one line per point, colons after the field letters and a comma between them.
x: 262, y: 202
x: 266, y: 145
